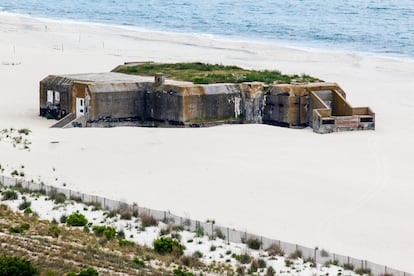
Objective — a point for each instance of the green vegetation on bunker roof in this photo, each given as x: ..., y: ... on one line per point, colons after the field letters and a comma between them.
x: 204, y: 73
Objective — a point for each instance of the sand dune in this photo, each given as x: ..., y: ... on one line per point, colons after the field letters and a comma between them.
x: 351, y: 193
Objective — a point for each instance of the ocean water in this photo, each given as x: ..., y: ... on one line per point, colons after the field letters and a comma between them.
x: 384, y: 27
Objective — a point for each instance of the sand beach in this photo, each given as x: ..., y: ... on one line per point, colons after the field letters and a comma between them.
x: 351, y: 193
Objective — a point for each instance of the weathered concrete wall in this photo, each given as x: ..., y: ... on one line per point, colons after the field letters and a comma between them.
x: 116, y: 99
x: 286, y: 108
x: 200, y: 105
x: 55, y: 84
x: 164, y: 105
x: 340, y: 107
x: 253, y: 102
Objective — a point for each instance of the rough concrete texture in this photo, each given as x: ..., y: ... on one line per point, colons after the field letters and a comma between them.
x: 115, y: 98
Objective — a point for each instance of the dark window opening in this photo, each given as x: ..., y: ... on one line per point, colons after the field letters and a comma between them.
x: 328, y: 122
x: 367, y: 120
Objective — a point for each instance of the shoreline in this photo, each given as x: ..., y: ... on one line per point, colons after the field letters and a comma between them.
x: 220, y: 38
x: 332, y: 191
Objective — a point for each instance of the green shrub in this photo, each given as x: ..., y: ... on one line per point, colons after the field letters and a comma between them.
x: 28, y: 211
x: 138, y: 262
x: 243, y: 258
x: 24, y: 131
x: 76, y: 219
x: 348, y: 266
x: 253, y: 243
x: 54, y: 231
x: 261, y: 263
x: 198, y: 254
x: 362, y: 271
x: 168, y: 245
x: 107, y: 231
x: 176, y: 236
x: 219, y: 234
x: 126, y: 243
x: 270, y: 271
x: 10, y: 195
x: 120, y: 234
x: 58, y: 198
x: 13, y: 266
x: 84, y: 272
x: 180, y: 272
x: 19, y: 229
x: 14, y: 173
x: 25, y: 204
x: 88, y: 272
x: 331, y: 262
x: 200, y: 232
x: 288, y: 263
x: 253, y: 266
x: 63, y: 218
x: 295, y: 255
x: 213, y: 248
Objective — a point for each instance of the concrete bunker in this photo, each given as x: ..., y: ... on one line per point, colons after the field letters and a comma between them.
x: 115, y: 99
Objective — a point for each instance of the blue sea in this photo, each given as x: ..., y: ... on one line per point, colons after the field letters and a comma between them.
x: 383, y: 27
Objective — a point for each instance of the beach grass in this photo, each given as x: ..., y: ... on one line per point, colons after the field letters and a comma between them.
x: 205, y: 73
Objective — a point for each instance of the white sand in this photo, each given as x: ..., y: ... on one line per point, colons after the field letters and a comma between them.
x: 351, y: 193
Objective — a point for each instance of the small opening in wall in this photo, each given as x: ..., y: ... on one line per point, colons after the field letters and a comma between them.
x: 328, y: 122
x: 366, y: 120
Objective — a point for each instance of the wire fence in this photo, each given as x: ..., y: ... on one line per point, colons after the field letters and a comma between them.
x: 210, y: 228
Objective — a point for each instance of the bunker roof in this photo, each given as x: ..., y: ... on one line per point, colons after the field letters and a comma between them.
x: 106, y: 77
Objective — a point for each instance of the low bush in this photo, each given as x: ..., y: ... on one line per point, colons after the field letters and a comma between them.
x: 219, y: 234
x: 58, y: 198
x: 270, y: 271
x: 261, y: 263
x: 288, y: 263
x: 362, y: 271
x: 275, y: 250
x: 253, y: 243
x: 24, y: 205
x: 125, y: 214
x: 123, y: 243
x: 295, y: 255
x: 200, y: 232
x: 253, y: 266
x: 180, y: 272
x: 13, y: 266
x: 147, y: 220
x: 54, y: 231
x: 19, y: 229
x: 166, y: 245
x: 28, y: 211
x: 198, y: 254
x: 190, y: 261
x: 24, y: 131
x: 107, y: 231
x: 84, y: 272
x: 76, y: 219
x: 120, y: 234
x: 348, y: 266
x: 243, y: 258
x: 10, y: 195
x: 331, y: 262
x: 138, y: 262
